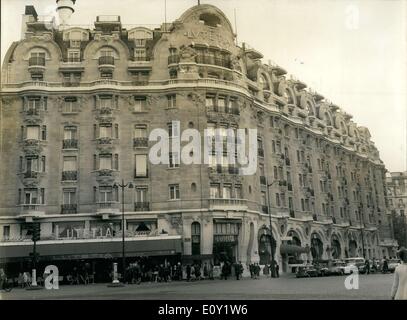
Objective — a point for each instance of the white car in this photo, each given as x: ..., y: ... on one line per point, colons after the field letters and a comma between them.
x: 352, y: 263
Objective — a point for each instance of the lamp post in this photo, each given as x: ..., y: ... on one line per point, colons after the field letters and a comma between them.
x: 362, y: 226
x: 273, y: 269
x: 130, y: 186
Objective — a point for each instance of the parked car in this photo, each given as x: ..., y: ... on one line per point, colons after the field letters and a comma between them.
x: 351, y: 263
x: 306, y: 271
x: 336, y: 267
x: 393, y: 264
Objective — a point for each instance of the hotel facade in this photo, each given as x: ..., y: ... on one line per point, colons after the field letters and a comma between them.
x: 77, y: 109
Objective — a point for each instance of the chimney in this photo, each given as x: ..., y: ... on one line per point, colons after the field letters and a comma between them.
x: 65, y: 10
x: 30, y: 15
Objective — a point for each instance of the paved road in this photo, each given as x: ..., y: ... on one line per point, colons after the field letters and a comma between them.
x: 375, y: 286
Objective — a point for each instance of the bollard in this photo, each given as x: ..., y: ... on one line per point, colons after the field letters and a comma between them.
x: 34, y: 285
x: 115, y: 282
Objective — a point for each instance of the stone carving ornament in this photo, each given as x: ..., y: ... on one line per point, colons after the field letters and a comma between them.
x: 187, y: 54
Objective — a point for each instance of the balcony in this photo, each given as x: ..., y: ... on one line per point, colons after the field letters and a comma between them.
x: 141, y: 206
x: 68, y: 208
x: 227, y: 204
x: 140, y: 142
x: 104, y: 141
x: 36, y: 64
x: 72, y: 65
x: 31, y: 209
x: 70, y: 144
x: 263, y: 180
x: 34, y: 115
x: 106, y: 208
x: 69, y: 175
x: 30, y: 175
x: 108, y: 23
x: 211, y: 60
x: 105, y: 172
x: 106, y: 64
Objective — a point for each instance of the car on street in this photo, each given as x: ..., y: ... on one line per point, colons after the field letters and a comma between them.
x: 393, y: 264
x: 352, y: 263
x: 336, y: 267
x: 307, y: 271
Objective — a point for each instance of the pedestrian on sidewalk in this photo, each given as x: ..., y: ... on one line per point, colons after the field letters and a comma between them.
x: 399, y: 289
x: 189, y: 272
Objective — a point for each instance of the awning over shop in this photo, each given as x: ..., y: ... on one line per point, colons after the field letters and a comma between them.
x: 292, y: 249
x: 95, y: 248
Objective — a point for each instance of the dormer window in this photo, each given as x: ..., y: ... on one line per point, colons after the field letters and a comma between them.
x: 210, y: 20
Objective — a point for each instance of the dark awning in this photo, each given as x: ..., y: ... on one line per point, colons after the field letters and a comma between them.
x: 77, y: 249
x: 291, y: 249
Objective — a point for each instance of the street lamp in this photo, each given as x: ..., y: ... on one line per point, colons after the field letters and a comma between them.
x: 281, y: 183
x: 362, y: 226
x: 130, y: 186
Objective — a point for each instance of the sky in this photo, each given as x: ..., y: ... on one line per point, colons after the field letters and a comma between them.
x: 353, y: 52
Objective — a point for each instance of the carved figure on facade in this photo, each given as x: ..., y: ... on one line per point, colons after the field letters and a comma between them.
x: 187, y: 54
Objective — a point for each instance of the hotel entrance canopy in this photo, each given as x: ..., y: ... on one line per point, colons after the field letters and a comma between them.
x: 92, y: 248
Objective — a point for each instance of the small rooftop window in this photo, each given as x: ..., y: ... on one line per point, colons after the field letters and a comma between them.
x: 210, y: 19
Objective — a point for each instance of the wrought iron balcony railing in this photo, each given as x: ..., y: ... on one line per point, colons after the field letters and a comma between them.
x: 69, y: 175
x: 106, y: 60
x: 70, y: 144
x: 140, y: 142
x: 69, y: 208
x: 142, y: 206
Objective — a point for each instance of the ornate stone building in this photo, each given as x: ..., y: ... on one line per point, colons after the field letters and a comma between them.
x: 397, y: 202
x: 77, y: 109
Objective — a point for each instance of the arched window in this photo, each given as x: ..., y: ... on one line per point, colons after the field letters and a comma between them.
x: 196, y: 238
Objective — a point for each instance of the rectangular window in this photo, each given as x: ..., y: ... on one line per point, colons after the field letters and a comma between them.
x: 139, y: 104
x: 32, y: 164
x: 140, y: 131
x: 116, y: 162
x: 227, y: 192
x: 238, y: 192
x: 69, y: 196
x: 70, y: 105
x: 69, y: 164
x: 174, y: 192
x: 69, y: 133
x: 174, y: 160
x: 116, y: 131
x: 31, y: 196
x: 74, y: 55
x: 105, y: 162
x: 44, y: 133
x: 6, y: 232
x: 33, y: 133
x: 263, y: 198
x: 141, y: 194
x: 278, y: 203
x: 214, y: 191
x: 210, y: 102
x: 105, y: 131
x: 172, y: 101
x: 106, y: 194
x: 221, y: 104
x: 173, y: 131
x: 141, y: 165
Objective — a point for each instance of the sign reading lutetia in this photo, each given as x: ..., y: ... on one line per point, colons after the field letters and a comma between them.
x: 215, y: 38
